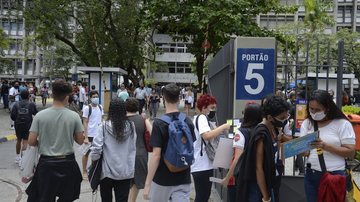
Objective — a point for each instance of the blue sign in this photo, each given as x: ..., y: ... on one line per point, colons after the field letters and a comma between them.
x: 255, y: 73
x: 299, y: 145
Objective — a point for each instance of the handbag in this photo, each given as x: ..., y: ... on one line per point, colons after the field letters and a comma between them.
x: 210, y: 147
x: 95, y: 170
x: 329, y: 188
x: 147, y: 136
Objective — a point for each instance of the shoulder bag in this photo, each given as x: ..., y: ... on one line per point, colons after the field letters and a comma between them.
x: 95, y: 170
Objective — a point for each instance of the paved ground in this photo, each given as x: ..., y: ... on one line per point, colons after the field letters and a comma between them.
x: 12, y: 189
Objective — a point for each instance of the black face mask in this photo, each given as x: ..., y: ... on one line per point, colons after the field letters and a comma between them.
x: 16, y: 87
x: 211, y: 114
x: 279, y: 124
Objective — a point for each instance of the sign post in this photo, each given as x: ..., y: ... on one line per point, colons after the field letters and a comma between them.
x: 255, y: 70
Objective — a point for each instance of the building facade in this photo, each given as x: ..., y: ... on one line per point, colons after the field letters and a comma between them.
x: 22, y: 53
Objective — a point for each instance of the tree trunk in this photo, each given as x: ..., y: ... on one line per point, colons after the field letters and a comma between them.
x: 200, y: 70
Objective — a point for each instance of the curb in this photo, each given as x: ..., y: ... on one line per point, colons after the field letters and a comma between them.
x: 8, y: 138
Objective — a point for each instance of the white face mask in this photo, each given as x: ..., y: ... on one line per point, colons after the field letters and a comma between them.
x: 318, y: 116
x: 95, y: 100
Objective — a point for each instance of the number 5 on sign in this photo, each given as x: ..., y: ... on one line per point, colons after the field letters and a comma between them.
x: 250, y: 74
x: 255, y: 73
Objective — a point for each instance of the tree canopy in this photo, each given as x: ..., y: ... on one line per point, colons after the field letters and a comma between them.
x: 210, y: 23
x: 107, y: 32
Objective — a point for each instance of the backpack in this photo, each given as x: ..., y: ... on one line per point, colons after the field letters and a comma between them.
x: 179, y: 154
x: 210, y: 148
x: 23, y: 118
x: 90, y: 110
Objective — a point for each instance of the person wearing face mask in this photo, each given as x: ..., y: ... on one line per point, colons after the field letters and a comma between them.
x: 92, y: 118
x: 258, y: 168
x: 336, y: 139
x: 202, y: 168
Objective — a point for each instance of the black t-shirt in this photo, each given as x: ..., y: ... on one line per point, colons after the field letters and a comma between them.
x: 159, y: 138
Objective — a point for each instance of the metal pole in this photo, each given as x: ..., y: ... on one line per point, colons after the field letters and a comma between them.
x: 328, y: 67
x: 296, y: 65
x: 286, y: 67
x: 307, y: 69
x: 317, y: 63
x: 340, y: 71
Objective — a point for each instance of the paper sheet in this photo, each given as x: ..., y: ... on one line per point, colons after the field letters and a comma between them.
x: 224, y: 153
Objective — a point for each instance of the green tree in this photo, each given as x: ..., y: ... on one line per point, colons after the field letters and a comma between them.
x: 100, y: 33
x: 58, y: 60
x: 210, y: 22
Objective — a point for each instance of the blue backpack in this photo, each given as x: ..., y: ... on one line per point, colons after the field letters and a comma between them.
x: 179, y: 154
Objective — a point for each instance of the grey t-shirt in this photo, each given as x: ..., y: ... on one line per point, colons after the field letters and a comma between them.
x: 140, y: 130
x: 55, y: 128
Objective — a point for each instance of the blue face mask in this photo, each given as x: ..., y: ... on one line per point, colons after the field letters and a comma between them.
x: 95, y: 100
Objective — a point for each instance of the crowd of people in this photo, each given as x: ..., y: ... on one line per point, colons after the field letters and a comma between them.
x: 119, y: 142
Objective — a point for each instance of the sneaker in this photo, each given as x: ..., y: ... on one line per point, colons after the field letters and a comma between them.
x: 18, y: 160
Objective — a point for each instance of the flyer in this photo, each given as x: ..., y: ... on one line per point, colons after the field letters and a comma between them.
x: 298, y: 145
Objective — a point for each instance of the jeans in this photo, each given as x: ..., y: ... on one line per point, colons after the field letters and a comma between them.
x: 202, y: 185
x: 121, y: 190
x: 141, y: 105
x: 312, y: 182
x: 154, y: 109
x: 255, y: 193
x: 5, y: 98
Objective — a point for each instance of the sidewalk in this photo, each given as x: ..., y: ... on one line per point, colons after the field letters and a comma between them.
x: 12, y: 189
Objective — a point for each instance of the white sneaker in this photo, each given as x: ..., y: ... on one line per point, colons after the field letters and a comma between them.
x: 18, y: 160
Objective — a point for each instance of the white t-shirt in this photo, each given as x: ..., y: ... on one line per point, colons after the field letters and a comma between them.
x: 239, y: 140
x: 82, y: 95
x: 287, y: 130
x: 15, y: 92
x: 337, y: 132
x: 203, y: 162
x: 140, y: 93
x: 94, y: 120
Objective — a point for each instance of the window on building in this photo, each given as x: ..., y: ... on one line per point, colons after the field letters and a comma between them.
x: 181, y: 48
x: 5, y: 24
x: 13, y: 26
x: 5, y: 4
x: 172, y: 70
x: 187, y: 70
x: 171, y: 66
x: 173, y: 48
x: 341, y: 15
x: 179, y: 70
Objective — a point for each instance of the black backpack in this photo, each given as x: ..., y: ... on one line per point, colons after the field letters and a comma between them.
x: 23, y: 118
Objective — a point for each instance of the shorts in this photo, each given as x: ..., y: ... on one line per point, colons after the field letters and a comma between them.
x: 21, y: 134
x: 187, y: 103
x: 91, y: 139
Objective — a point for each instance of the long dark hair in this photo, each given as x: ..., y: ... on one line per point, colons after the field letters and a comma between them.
x: 119, y: 121
x: 325, y: 99
x: 252, y: 115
